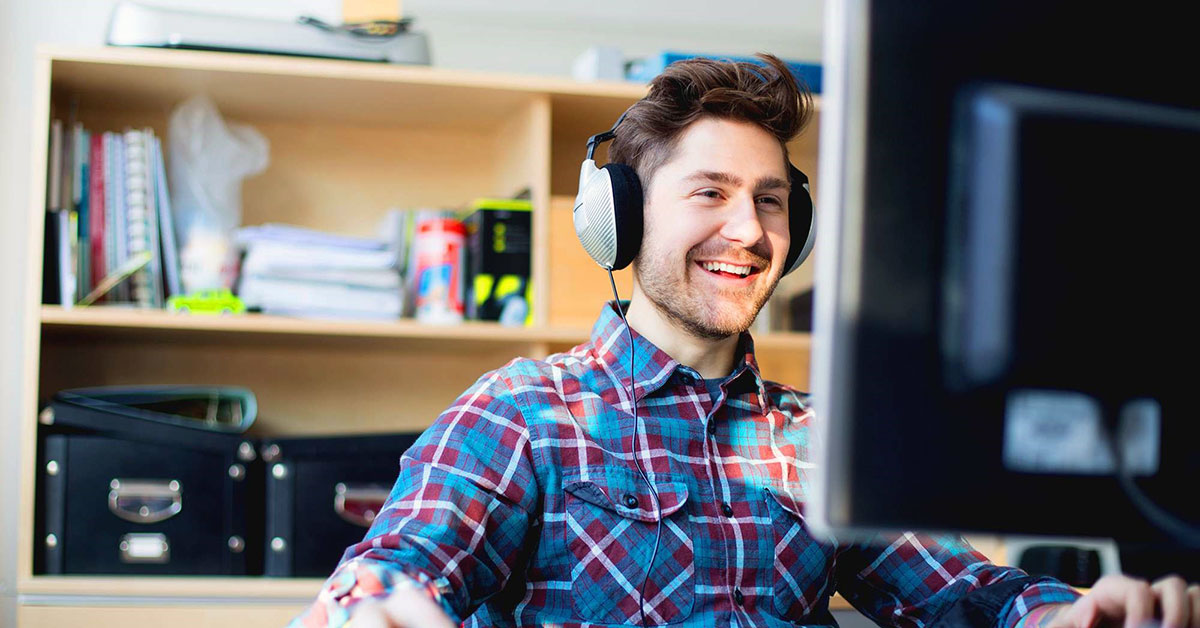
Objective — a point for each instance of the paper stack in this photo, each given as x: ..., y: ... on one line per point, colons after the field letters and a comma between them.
x: 295, y: 271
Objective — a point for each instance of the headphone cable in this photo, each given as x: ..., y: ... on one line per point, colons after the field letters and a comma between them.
x: 636, y: 428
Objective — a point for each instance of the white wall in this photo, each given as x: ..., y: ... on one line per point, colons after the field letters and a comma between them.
x: 472, y: 33
x: 526, y: 36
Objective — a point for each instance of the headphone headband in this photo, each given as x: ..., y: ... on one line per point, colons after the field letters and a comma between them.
x: 601, y: 138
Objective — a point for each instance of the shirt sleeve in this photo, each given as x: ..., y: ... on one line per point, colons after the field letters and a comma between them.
x: 455, y: 522
x: 913, y: 579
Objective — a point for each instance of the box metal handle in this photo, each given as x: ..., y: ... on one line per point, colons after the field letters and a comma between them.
x: 145, y: 501
x: 359, y: 503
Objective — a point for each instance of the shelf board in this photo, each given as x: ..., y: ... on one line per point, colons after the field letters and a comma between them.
x: 103, y: 320
x: 279, y: 88
x: 338, y: 69
x: 254, y: 86
x: 297, y: 590
x: 98, y: 319
x: 248, y: 588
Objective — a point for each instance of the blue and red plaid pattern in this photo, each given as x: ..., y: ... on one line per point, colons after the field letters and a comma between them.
x: 522, y: 506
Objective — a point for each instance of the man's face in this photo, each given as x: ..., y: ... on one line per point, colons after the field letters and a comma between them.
x: 716, y: 228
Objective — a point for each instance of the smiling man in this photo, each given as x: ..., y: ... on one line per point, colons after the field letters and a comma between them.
x: 525, y: 505
x: 721, y: 202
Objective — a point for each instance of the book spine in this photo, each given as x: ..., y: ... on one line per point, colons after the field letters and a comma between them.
x: 111, y: 207
x: 153, y: 241
x: 66, y: 164
x: 166, y: 221
x: 120, y: 214
x: 79, y: 187
x: 138, y: 229
x: 66, y: 262
x: 96, y: 210
x: 78, y: 159
x: 54, y: 180
x: 50, y: 277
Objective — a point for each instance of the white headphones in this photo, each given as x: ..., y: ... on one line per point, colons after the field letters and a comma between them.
x: 608, y: 210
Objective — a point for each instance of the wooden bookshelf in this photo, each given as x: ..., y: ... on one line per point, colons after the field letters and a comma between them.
x: 348, y: 141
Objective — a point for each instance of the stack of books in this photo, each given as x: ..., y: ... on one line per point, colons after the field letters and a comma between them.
x: 294, y: 271
x: 108, y: 216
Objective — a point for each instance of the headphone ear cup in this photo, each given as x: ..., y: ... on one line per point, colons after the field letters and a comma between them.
x: 800, y: 220
x: 627, y: 212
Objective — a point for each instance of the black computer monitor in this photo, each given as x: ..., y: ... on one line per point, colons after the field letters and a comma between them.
x: 1006, y: 270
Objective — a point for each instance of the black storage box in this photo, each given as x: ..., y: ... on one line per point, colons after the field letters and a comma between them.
x: 122, y: 494
x: 322, y: 494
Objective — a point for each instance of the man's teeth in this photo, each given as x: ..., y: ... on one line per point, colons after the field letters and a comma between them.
x: 729, y: 268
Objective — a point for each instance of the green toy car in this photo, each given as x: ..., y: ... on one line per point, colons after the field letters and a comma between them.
x: 206, y: 302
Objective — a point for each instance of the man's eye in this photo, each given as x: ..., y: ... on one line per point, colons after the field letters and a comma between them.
x: 771, y: 200
x: 709, y: 193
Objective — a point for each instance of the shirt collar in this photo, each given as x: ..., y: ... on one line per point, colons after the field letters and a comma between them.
x: 652, y: 367
x: 746, y: 373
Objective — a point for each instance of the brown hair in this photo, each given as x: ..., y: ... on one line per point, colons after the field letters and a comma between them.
x: 767, y: 95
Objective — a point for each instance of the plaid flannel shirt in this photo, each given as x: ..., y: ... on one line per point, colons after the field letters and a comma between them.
x: 521, y: 506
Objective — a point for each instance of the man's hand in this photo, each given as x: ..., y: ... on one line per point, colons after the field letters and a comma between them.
x: 1123, y: 601
x: 404, y: 608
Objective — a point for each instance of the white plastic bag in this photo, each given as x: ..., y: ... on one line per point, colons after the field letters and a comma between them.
x: 208, y: 161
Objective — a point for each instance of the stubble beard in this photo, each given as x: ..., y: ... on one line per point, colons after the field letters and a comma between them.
x: 689, y: 308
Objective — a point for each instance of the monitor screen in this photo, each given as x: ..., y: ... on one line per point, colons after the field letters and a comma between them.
x: 1005, y: 329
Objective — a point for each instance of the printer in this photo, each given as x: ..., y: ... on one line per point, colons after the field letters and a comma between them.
x: 142, y: 25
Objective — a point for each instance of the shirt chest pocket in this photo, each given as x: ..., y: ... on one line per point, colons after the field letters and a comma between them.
x: 802, y: 565
x: 611, y: 523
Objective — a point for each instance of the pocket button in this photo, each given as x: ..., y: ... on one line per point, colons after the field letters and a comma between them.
x: 630, y: 501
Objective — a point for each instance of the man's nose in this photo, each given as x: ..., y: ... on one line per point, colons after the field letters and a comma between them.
x: 742, y: 222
